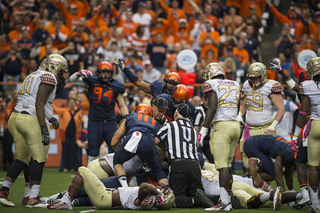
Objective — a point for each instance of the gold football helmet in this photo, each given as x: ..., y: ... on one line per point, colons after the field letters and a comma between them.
x: 54, y: 63
x: 212, y: 70
x: 313, y: 67
x: 57, y: 65
x: 257, y: 69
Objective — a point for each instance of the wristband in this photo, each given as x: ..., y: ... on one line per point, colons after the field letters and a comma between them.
x: 297, y: 131
x: 291, y: 83
x: 274, y: 124
x: 130, y: 75
x: 303, y: 113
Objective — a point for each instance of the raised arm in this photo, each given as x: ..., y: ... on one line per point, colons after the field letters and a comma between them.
x: 122, y: 105
x: 118, y: 135
x: 132, y: 77
x: 76, y: 78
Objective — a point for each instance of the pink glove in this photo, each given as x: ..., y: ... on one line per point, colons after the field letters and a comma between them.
x: 293, y: 146
x: 85, y: 73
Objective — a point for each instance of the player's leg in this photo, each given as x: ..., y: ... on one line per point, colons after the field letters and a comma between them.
x: 120, y: 156
x: 21, y: 163
x: 109, y: 128
x: 314, y: 162
x: 94, y: 139
x: 100, y: 167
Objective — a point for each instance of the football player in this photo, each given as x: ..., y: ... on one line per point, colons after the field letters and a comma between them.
x: 155, y: 88
x: 140, y: 129
x: 35, y: 105
x: 103, y: 92
x: 223, y: 100
x: 144, y: 197
x: 309, y: 91
x: 261, y: 96
x: 180, y: 94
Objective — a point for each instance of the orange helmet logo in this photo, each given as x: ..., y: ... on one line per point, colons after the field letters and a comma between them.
x: 180, y: 94
x: 144, y: 109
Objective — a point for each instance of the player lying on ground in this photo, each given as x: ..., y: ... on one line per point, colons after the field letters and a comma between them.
x: 143, y: 197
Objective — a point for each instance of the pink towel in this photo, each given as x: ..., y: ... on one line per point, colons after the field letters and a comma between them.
x: 307, y: 128
x: 246, y: 132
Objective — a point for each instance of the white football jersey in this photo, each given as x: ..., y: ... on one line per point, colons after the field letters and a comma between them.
x: 127, y: 197
x: 312, y: 90
x: 228, y: 94
x: 259, y: 105
x: 29, y: 90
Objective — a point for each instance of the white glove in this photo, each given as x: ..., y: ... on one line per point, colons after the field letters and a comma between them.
x: 201, y: 135
x: 85, y: 73
x: 118, y: 61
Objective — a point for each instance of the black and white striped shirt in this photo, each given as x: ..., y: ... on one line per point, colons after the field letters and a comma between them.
x: 199, y: 117
x: 180, y: 138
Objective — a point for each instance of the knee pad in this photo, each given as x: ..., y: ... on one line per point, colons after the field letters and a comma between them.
x: 15, y: 169
x: 36, y: 170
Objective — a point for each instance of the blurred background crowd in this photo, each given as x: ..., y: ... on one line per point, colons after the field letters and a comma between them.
x: 148, y: 35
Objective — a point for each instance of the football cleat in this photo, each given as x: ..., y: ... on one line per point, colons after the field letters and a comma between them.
x: 254, y: 202
x: 277, y: 198
x: 202, y: 200
x: 24, y: 201
x: 35, y: 202
x: 59, y: 205
x: 220, y: 207
x: 4, y: 200
x: 303, y: 202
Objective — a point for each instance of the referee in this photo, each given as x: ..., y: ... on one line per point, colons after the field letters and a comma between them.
x: 184, y: 172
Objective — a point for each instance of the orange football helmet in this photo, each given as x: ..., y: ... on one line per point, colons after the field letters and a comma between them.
x: 105, y: 71
x: 144, y: 109
x: 180, y: 94
x: 174, y: 79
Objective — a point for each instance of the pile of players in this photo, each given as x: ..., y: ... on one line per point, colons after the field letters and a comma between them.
x: 144, y: 150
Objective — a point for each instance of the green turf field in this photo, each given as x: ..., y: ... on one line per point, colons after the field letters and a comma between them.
x: 54, y: 181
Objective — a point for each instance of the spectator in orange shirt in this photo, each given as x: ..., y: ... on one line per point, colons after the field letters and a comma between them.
x: 188, y: 8
x: 181, y: 30
x: 234, y: 3
x: 171, y: 62
x: 70, y: 127
x: 209, y: 16
x: 17, y: 32
x: 43, y: 50
x: 313, y: 27
x: 296, y: 26
x: 173, y: 11
x: 209, y: 40
x: 78, y: 33
x: 241, y: 53
x: 232, y: 19
x: 128, y: 25
x: 150, y: 11
x: 95, y: 22
x: 59, y: 33
x: 161, y: 26
x: 245, y: 7
x: 75, y: 12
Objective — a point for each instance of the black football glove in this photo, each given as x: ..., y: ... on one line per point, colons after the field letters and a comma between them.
x: 45, y: 135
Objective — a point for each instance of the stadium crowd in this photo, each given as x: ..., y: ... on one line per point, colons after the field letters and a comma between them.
x: 117, y: 60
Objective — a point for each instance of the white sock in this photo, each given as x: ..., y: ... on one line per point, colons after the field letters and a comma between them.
x: 299, y: 195
x: 7, y: 184
x: 224, y: 195
x: 92, y: 158
x: 34, y: 192
x: 66, y: 198
x: 314, y: 197
x: 265, y: 197
x: 123, y: 181
x: 27, y: 189
x: 305, y: 193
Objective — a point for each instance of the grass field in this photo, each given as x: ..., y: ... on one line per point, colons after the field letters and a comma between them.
x: 54, y: 181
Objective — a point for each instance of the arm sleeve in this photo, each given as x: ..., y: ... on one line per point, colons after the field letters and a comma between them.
x: 280, y: 17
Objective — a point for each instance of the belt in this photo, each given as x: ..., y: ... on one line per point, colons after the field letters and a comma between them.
x: 182, y: 159
x: 25, y: 113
